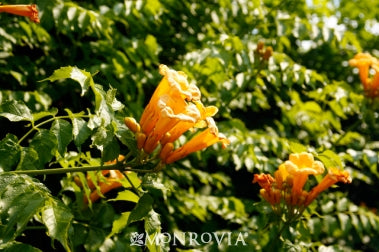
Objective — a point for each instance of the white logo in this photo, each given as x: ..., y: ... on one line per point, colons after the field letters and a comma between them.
x: 188, y: 238
x: 136, y: 239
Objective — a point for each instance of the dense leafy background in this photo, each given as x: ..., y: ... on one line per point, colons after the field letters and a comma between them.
x: 305, y: 93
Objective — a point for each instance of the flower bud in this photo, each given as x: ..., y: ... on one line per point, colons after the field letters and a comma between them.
x: 132, y: 124
x: 140, y: 140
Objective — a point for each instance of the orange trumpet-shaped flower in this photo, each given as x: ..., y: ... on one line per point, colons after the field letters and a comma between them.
x: 26, y: 10
x: 174, y: 109
x: 364, y: 62
x: 201, y: 141
x: 287, y: 184
x: 334, y: 175
x: 301, y: 165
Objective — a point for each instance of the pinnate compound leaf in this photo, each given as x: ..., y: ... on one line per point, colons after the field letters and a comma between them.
x: 57, y: 219
x: 63, y: 132
x: 45, y: 144
x: 16, y: 111
x: 10, y: 152
x: 330, y: 159
x: 20, y: 198
x: 69, y: 72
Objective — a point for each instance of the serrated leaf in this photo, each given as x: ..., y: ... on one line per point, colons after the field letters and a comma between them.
x: 16, y: 111
x: 111, y: 150
x: 20, y: 198
x: 132, y: 178
x: 57, y: 219
x: 28, y: 159
x: 120, y: 223
x: 297, y: 147
x: 80, y: 129
x: 143, y: 207
x: 17, y: 247
x: 126, y: 196
x: 63, y: 132
x: 10, y: 152
x: 330, y: 159
x: 112, y: 101
x: 152, y: 222
x: 45, y: 144
x: 42, y: 114
x: 82, y: 77
x: 103, y: 109
x: 104, y: 140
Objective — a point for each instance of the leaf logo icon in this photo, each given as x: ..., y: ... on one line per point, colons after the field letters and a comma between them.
x: 136, y: 239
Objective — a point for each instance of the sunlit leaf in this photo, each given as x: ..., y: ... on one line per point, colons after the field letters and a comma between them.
x: 16, y: 111
x: 57, y: 219
x: 10, y: 152
x: 63, y: 132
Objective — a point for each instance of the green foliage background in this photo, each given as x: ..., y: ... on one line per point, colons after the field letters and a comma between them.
x: 304, y: 95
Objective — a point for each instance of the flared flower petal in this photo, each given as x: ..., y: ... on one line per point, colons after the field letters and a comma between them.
x: 26, y: 10
x: 364, y: 62
x: 201, y: 141
x: 264, y: 180
x: 334, y: 175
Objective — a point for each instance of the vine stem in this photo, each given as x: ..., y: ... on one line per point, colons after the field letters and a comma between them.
x: 81, y: 169
x: 35, y: 127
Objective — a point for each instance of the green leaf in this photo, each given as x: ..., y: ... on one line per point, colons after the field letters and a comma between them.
x: 63, y: 132
x: 330, y: 159
x: 28, y: 160
x: 105, y: 141
x: 57, y: 219
x: 143, y: 207
x: 42, y: 114
x: 297, y: 147
x: 112, y: 101
x: 82, y: 77
x: 126, y: 196
x: 20, y: 198
x: 45, y: 144
x: 10, y: 152
x: 119, y: 224
x: 80, y: 129
x: 16, y: 111
x: 17, y: 247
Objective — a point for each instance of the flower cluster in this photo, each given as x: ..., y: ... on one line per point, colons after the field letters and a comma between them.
x: 364, y: 62
x: 285, y: 191
x: 174, y: 109
x: 26, y: 10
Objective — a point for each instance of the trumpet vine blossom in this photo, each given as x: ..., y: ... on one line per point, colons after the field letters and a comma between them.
x: 285, y: 191
x: 174, y: 109
x: 26, y: 10
x: 365, y: 62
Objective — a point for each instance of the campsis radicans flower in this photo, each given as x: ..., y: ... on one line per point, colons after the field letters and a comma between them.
x: 365, y: 62
x: 285, y: 191
x: 174, y: 109
x: 26, y: 10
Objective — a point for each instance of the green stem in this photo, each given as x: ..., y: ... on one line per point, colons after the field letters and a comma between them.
x: 81, y: 169
x: 35, y: 127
